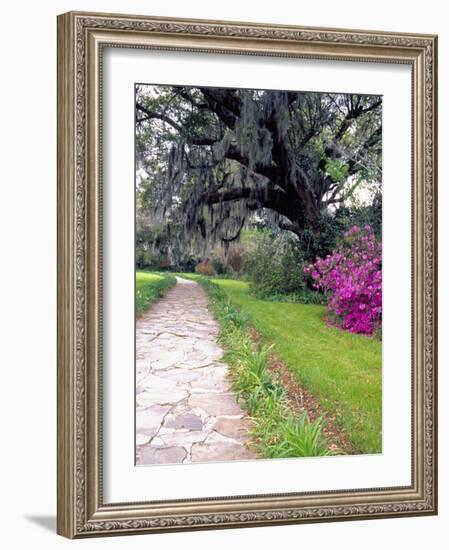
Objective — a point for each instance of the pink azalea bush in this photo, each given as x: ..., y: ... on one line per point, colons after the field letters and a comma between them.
x: 352, y: 279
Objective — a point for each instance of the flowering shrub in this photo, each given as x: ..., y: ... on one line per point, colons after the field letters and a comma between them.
x: 204, y: 267
x: 352, y: 279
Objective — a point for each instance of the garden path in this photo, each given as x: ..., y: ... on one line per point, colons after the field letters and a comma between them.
x: 185, y: 410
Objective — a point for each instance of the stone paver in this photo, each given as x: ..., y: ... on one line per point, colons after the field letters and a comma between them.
x: 185, y: 410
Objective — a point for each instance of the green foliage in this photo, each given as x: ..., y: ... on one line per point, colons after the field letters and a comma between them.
x: 273, y: 264
x: 342, y: 370
x: 333, y: 225
x: 219, y: 266
x: 337, y: 169
x: 368, y: 215
x: 160, y: 247
x: 253, y: 369
x: 300, y: 437
x: 277, y: 432
x: 150, y: 287
x: 147, y: 260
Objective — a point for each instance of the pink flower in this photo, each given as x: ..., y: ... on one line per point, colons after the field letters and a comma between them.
x: 352, y: 280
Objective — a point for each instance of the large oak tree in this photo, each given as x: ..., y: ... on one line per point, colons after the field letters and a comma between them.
x: 208, y: 159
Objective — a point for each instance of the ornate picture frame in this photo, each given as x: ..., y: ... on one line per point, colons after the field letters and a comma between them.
x: 82, y: 38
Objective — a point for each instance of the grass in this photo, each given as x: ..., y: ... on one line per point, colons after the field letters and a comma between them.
x: 150, y: 287
x: 277, y: 432
x: 342, y: 370
x: 303, y: 296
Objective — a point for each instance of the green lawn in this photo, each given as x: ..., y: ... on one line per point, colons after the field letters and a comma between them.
x: 150, y: 287
x: 342, y: 370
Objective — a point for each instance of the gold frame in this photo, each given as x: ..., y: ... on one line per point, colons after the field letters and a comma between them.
x: 81, y: 37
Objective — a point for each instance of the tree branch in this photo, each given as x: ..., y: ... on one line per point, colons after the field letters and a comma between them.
x: 214, y: 197
x: 235, y: 237
x: 190, y: 140
x: 289, y: 226
x: 234, y: 153
x: 224, y: 103
x: 352, y: 114
x: 152, y: 114
x: 185, y: 95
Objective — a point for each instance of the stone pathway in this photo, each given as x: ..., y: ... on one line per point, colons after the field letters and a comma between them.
x: 185, y: 411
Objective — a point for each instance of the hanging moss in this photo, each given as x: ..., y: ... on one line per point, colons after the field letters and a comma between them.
x: 220, y: 148
x: 254, y: 140
x: 181, y: 175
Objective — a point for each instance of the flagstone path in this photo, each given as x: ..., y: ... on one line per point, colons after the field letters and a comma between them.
x: 185, y: 410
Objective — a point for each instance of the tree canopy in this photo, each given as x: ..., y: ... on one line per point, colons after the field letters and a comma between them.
x: 209, y: 160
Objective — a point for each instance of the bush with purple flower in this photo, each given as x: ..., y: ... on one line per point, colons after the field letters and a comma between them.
x: 351, y: 277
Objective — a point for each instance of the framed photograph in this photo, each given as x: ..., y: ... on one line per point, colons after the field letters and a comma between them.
x: 246, y: 274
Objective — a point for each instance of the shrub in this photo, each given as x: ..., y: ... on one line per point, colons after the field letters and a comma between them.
x: 152, y: 261
x: 218, y: 266
x: 273, y: 264
x: 204, y: 267
x: 187, y: 264
x: 333, y: 225
x: 352, y: 280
